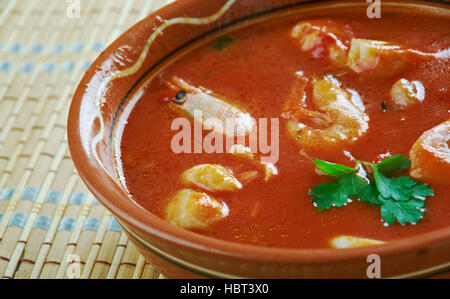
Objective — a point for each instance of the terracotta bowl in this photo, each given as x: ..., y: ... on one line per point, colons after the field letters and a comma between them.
x: 102, y: 99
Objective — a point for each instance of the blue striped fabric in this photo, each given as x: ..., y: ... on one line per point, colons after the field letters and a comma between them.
x: 30, y: 193
x: 67, y: 224
x: 6, y: 194
x: 37, y: 49
x: 18, y: 219
x: 98, y: 46
x: 91, y: 224
x: 49, y: 66
x: 77, y: 198
x: 95, y: 201
x: 53, y: 196
x: 16, y: 48
x: 58, y: 49
x: 68, y: 66
x: 26, y: 67
x: 6, y: 66
x: 87, y: 64
x: 113, y: 225
x: 77, y: 47
x: 43, y: 222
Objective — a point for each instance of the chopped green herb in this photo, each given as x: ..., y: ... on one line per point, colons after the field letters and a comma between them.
x: 370, y: 195
x: 393, y: 164
x: 334, y: 170
x: 383, y: 106
x: 224, y: 43
x: 337, y: 194
x: 410, y: 211
x: 401, y: 199
x: 399, y: 189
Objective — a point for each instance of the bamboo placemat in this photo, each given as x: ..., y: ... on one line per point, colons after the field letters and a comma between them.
x: 50, y: 225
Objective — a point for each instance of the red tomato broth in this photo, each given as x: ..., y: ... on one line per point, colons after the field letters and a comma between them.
x: 257, y: 72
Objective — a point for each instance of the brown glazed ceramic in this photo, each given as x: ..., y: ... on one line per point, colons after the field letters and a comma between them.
x: 104, y: 93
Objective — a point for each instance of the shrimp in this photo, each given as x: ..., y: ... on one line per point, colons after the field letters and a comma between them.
x: 383, y: 58
x: 339, y: 121
x: 323, y: 39
x: 430, y: 155
x: 232, y: 120
x: 376, y: 56
x: 190, y: 209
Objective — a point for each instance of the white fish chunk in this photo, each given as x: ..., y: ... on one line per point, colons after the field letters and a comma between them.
x: 344, y: 242
x: 405, y: 94
x: 212, y: 177
x: 195, y: 210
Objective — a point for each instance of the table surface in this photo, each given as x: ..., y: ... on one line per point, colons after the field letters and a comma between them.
x: 51, y: 226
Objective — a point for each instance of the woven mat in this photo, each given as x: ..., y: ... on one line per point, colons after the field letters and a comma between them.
x: 51, y: 226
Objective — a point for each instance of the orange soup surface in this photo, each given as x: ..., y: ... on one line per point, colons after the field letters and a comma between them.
x: 257, y: 68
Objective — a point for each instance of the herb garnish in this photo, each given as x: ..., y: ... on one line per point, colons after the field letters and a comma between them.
x: 383, y: 106
x: 401, y: 199
x: 224, y: 43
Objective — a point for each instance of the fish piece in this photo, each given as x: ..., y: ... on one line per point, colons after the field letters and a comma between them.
x: 213, y: 111
x: 212, y: 177
x: 430, y: 155
x: 195, y: 210
x: 344, y: 242
x: 405, y: 94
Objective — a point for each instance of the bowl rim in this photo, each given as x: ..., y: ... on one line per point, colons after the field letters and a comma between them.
x: 130, y: 213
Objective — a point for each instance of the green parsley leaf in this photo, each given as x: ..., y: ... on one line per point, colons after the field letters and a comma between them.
x: 370, y: 195
x: 327, y: 195
x: 401, y: 199
x: 403, y: 211
x: 422, y: 192
x: 337, y: 194
x: 334, y: 170
x: 393, y: 164
x: 399, y: 189
x: 224, y: 43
